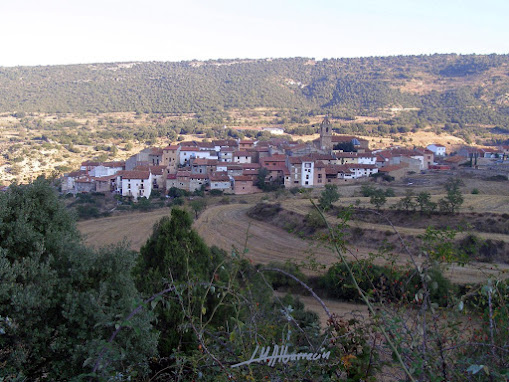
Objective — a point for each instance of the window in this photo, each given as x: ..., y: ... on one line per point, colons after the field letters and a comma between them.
x: 307, y: 165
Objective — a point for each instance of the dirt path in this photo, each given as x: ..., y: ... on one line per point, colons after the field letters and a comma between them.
x: 227, y: 226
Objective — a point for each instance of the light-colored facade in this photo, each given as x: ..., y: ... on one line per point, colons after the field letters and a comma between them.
x: 135, y: 184
x: 438, y: 150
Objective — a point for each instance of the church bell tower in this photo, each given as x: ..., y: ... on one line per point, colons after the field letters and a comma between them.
x: 326, y: 134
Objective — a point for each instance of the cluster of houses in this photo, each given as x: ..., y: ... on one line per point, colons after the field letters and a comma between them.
x: 233, y: 166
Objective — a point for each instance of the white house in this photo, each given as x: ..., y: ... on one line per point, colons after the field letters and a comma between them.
x: 136, y: 184
x: 226, y: 154
x: 438, y: 150
x: 307, y: 173
x: 361, y: 170
x: 186, y: 153
x: 366, y: 158
x: 241, y: 157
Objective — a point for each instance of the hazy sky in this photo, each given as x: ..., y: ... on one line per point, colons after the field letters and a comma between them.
x: 47, y: 32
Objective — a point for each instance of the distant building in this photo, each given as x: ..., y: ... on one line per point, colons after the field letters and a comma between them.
x: 135, y: 184
x: 437, y: 149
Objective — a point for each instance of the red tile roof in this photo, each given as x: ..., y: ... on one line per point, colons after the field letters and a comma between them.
x: 279, y: 168
x: 156, y: 151
x: 219, y: 177
x: 199, y: 176
x: 114, y: 164
x: 156, y: 170
x: 85, y: 179
x: 104, y: 178
x: 171, y: 147
x: 250, y: 165
x: 335, y: 169
x: 134, y: 174
x: 242, y: 154
x: 74, y: 174
x: 205, y: 162
x: 392, y: 168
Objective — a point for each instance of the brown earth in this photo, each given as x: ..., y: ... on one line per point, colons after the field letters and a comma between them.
x: 228, y: 226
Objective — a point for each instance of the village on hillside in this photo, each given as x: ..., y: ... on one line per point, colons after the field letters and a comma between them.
x: 237, y: 166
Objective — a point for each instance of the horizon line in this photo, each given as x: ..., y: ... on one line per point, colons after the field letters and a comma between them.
x: 251, y: 59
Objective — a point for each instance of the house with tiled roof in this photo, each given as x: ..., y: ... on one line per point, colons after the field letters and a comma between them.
x: 89, y: 165
x: 242, y: 157
x: 226, y: 154
x: 244, y: 184
x: 319, y: 175
x: 336, y: 173
x: 105, y: 183
x: 155, y: 157
x: 223, y: 143
x: 189, y: 152
x: 355, y: 157
x: 362, y: 170
x: 197, y: 181
x: 220, y: 181
x: 397, y: 171
x: 246, y: 144
x: 68, y: 183
x: 179, y: 180
x: 455, y: 160
x: 106, y: 168
x: 203, y: 166
x: 273, y: 161
x: 234, y: 169
x: 158, y: 175
x: 171, y: 157
x: 438, y: 150
x: 134, y: 184
x: 84, y: 184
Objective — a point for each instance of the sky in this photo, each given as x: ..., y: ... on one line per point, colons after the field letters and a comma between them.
x: 56, y: 32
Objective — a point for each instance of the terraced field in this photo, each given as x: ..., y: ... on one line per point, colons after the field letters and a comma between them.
x: 228, y: 226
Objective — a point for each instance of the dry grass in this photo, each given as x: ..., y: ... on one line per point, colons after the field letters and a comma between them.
x: 132, y: 227
x: 228, y: 226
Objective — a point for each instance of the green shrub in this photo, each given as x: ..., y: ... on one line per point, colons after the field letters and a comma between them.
x: 383, y: 283
x: 175, y: 192
x: 279, y: 280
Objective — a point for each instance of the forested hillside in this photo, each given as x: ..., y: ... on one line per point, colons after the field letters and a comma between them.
x: 431, y: 89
